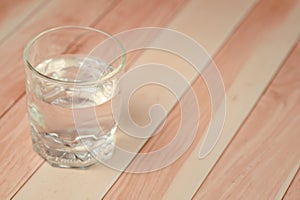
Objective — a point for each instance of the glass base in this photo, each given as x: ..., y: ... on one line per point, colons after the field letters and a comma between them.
x: 64, y: 156
x: 65, y: 159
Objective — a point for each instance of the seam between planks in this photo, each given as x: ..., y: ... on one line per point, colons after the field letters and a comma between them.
x: 27, y: 180
x: 14, y: 102
x: 289, y: 183
x: 99, y: 18
x: 253, y: 109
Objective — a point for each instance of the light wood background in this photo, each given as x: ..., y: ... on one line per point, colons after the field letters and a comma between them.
x: 254, y: 43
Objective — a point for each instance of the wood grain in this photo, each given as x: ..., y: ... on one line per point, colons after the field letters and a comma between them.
x: 50, y: 178
x: 240, y: 74
x: 293, y: 192
x: 288, y: 181
x: 266, y: 145
x: 13, y: 13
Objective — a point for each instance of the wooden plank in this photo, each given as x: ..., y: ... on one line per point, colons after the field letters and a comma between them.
x: 181, y: 180
x: 16, y: 151
x: 14, y: 125
x: 14, y: 12
x: 62, y: 183
x: 273, y: 38
x: 266, y: 148
x: 55, y: 14
x: 293, y: 192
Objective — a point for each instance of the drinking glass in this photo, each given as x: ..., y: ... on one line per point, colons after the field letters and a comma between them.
x: 64, y: 81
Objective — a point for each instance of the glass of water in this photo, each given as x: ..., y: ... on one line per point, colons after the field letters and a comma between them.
x: 67, y: 77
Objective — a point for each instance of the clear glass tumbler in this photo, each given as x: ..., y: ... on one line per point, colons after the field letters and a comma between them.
x: 65, y: 75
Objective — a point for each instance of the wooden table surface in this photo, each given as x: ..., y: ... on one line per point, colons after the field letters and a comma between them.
x: 255, y: 45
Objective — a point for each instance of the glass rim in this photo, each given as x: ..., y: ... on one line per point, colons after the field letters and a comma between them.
x: 38, y: 36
